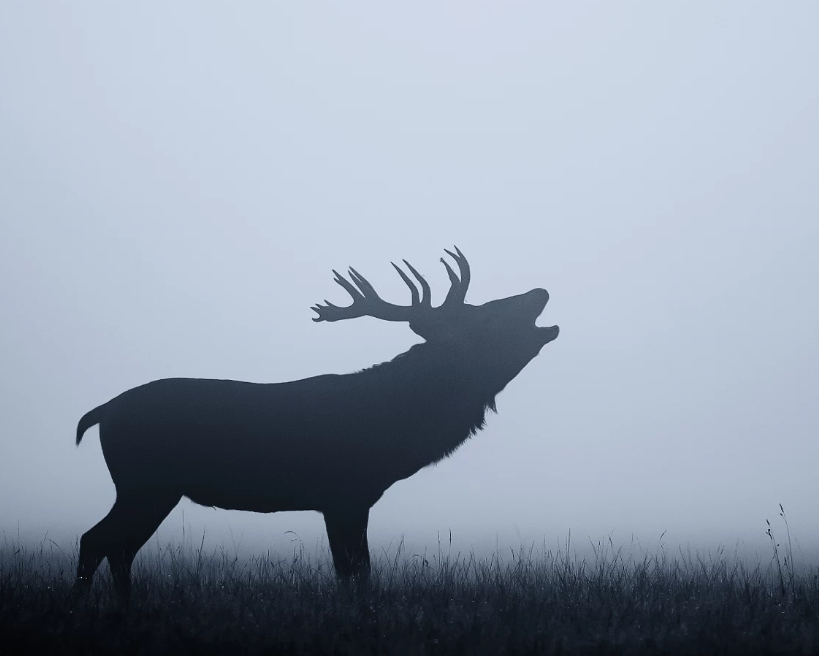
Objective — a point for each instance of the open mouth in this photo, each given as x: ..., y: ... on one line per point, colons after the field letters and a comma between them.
x: 549, y: 333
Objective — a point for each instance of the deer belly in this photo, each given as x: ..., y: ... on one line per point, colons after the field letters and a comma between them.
x: 261, y: 486
x: 254, y: 493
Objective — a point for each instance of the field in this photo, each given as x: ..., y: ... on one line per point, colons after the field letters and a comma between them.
x: 545, y: 602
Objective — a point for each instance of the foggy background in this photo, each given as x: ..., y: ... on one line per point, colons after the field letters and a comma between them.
x: 177, y: 181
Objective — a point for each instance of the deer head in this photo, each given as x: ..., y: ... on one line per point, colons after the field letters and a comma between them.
x: 500, y: 334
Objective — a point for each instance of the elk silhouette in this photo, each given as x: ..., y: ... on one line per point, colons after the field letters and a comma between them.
x: 331, y: 443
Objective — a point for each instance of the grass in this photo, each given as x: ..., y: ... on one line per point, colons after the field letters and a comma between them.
x: 544, y: 602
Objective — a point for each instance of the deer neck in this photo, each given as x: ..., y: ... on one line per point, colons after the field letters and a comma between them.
x: 438, y: 397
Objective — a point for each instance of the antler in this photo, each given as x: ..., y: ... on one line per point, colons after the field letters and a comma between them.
x: 366, y: 302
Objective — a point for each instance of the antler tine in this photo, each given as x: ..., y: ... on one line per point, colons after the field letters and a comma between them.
x: 413, y: 289
x: 463, y: 265
x: 327, y: 312
x: 351, y: 290
x: 426, y: 293
x: 457, y: 292
x: 364, y: 285
x: 453, y: 279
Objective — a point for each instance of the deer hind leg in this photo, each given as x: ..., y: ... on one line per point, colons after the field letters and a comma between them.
x: 119, y: 536
x: 347, y: 534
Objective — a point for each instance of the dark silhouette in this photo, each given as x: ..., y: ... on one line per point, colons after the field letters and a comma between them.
x: 331, y: 443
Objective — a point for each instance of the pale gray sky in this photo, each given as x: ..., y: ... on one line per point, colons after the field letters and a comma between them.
x: 177, y: 180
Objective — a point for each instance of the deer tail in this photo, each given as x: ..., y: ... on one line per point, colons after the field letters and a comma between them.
x: 90, y: 418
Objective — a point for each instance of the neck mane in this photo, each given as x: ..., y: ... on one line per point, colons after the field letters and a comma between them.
x: 430, y: 400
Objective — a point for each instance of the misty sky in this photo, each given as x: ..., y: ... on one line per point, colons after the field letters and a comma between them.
x: 177, y: 181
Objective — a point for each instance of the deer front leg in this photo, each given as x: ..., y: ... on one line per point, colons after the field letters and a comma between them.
x: 347, y: 534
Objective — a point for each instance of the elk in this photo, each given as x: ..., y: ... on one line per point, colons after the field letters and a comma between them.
x: 331, y: 443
